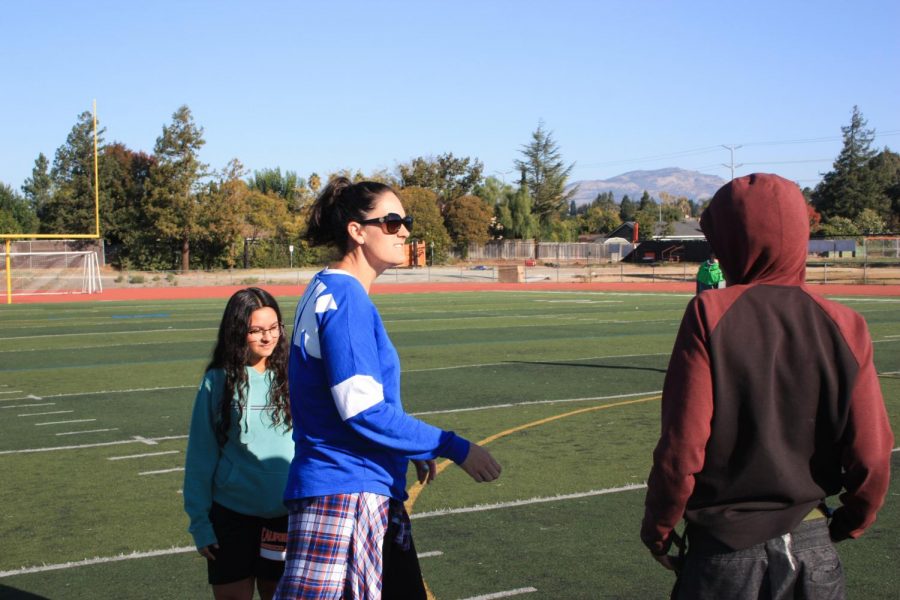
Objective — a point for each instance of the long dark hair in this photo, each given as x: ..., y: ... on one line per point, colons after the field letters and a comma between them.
x: 231, y: 353
x: 341, y: 202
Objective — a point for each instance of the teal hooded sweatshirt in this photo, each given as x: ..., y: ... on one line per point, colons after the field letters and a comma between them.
x: 248, y: 474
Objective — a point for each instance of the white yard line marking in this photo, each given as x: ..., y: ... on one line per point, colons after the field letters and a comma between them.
x: 28, y: 405
x: 860, y: 299
x: 145, y: 441
x: 127, y: 456
x: 101, y: 392
x: 539, y: 500
x: 885, y: 341
x: 506, y: 594
x: 184, y: 550
x: 64, y: 422
x: 97, y: 561
x: 134, y: 440
x: 430, y: 554
x: 52, y: 412
x: 162, y: 471
x: 530, y: 402
x: 87, y: 431
x: 107, y: 333
x: 11, y: 392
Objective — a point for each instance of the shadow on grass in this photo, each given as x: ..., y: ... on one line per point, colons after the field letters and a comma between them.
x: 568, y: 364
x: 10, y: 593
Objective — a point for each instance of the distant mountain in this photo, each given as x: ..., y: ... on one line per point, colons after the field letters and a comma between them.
x: 678, y: 182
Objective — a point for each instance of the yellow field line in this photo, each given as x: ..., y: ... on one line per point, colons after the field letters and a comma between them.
x: 417, y: 487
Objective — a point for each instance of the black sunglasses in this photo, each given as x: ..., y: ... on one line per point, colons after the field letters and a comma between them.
x: 390, y: 223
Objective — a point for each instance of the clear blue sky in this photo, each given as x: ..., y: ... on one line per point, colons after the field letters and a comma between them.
x: 317, y: 86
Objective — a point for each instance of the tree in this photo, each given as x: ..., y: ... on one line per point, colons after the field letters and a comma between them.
x: 428, y: 225
x: 70, y: 208
x: 605, y: 201
x: 627, y: 209
x: 885, y: 167
x: 815, y: 219
x: 600, y: 219
x: 38, y: 188
x: 850, y: 186
x: 16, y: 213
x: 517, y: 217
x: 647, y: 202
x: 869, y: 222
x: 468, y: 221
x: 545, y: 175
x: 647, y: 220
x: 493, y: 191
x: 288, y: 186
x: 124, y: 176
x: 447, y: 176
x: 174, y: 179
x: 839, y: 226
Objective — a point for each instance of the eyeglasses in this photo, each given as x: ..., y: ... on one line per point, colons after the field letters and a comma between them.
x: 390, y: 223
x: 257, y: 332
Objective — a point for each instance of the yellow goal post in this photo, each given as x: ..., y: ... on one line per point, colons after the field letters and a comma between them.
x: 8, y: 237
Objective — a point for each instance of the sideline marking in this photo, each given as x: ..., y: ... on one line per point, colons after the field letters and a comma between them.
x: 506, y: 594
x: 52, y: 412
x: 531, y: 402
x: 97, y: 561
x: 539, y: 500
x: 141, y: 455
x: 162, y: 471
x: 417, y: 487
x: 97, y: 444
x: 108, y: 559
x: 97, y: 393
x: 86, y: 431
x: 63, y: 422
x: 107, y: 333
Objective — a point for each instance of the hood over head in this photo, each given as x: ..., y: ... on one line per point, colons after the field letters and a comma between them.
x: 759, y: 229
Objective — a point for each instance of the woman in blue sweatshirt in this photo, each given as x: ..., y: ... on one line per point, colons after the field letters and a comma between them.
x: 349, y: 535
x: 239, y: 450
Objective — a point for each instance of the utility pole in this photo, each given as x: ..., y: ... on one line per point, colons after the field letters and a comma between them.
x: 732, y: 166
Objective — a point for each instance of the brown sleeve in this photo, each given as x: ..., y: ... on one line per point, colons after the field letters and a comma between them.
x: 868, y: 442
x: 687, y: 409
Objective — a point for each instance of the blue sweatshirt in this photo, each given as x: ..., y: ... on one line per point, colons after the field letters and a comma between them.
x: 247, y: 474
x: 350, y: 429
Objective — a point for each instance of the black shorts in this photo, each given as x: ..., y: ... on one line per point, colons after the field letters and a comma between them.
x: 248, y: 546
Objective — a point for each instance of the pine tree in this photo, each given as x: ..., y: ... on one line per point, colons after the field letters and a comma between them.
x: 545, y: 174
x: 38, y: 189
x: 70, y: 208
x: 850, y: 187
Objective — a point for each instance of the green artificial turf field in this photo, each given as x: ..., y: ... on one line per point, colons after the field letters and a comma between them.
x: 95, y: 400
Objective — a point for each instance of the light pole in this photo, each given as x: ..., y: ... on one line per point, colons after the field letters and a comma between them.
x: 732, y: 166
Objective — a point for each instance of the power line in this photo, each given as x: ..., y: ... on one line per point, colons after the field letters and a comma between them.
x: 709, y: 149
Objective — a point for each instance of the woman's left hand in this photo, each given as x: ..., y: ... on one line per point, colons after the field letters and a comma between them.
x: 426, y: 470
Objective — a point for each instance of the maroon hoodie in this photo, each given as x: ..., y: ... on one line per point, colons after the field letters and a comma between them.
x: 771, y: 400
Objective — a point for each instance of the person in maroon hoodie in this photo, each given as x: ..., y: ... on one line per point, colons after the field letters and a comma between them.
x: 771, y: 403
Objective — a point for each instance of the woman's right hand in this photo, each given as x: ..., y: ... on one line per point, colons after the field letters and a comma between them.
x: 207, y: 551
x: 480, y: 465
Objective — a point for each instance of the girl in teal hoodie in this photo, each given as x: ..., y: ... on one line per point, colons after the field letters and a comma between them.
x: 239, y: 451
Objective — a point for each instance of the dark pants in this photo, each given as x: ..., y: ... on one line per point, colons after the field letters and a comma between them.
x: 801, y: 564
x: 401, y: 576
